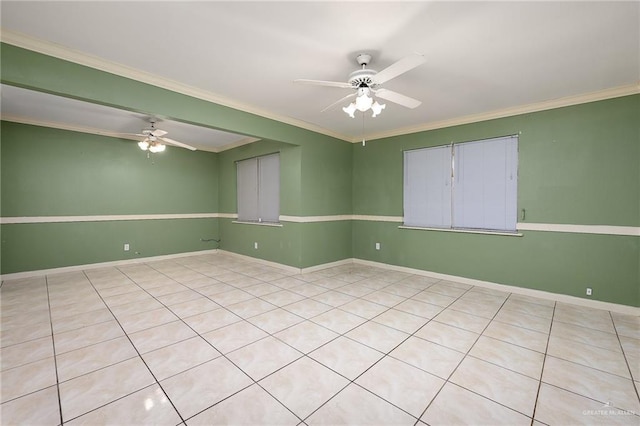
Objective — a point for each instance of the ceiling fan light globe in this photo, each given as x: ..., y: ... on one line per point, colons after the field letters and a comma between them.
x: 144, y: 145
x: 350, y: 110
x: 158, y: 147
x: 377, y: 108
x: 363, y: 102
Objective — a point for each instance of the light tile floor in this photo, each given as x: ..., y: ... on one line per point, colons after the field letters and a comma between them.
x: 215, y: 339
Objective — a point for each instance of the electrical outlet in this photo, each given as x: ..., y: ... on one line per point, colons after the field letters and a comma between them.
x: 589, y: 291
x: 126, y: 246
x: 377, y: 246
x: 255, y: 245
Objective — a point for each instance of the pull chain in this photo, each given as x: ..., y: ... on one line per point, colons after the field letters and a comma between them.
x: 364, y: 142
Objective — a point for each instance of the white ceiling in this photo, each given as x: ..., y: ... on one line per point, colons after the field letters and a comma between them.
x: 482, y: 57
x: 28, y: 106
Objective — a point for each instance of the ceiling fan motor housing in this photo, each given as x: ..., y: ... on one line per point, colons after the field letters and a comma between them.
x: 362, y: 78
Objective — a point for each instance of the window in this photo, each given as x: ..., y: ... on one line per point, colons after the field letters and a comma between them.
x: 258, y: 189
x: 470, y: 185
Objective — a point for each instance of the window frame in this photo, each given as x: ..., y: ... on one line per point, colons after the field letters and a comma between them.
x: 510, y: 203
x: 258, y: 186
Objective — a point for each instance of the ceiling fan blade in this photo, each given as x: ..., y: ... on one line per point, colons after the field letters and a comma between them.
x: 403, y: 65
x: 136, y: 136
x: 324, y: 83
x: 398, y: 98
x: 158, y: 133
x: 353, y: 95
x: 176, y: 143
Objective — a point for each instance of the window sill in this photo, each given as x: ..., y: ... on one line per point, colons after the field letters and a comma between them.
x: 242, y: 222
x: 464, y: 231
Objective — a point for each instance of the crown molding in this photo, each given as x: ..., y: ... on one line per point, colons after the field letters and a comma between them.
x: 65, y: 126
x: 71, y: 55
x: 615, y: 92
x: 245, y: 141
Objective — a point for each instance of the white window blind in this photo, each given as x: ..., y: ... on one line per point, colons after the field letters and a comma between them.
x: 258, y: 189
x: 485, y: 184
x: 427, y: 187
x: 471, y: 185
x: 269, y: 188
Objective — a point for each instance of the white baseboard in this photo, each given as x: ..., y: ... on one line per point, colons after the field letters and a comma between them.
x: 74, y: 268
x: 326, y: 265
x: 290, y: 269
x: 556, y: 297
x: 540, y: 294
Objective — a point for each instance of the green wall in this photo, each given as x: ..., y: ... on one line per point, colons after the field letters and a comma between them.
x: 38, y: 246
x: 275, y: 243
x: 577, y: 165
x: 326, y: 178
x: 314, y: 180
x: 49, y: 172
x: 326, y: 185
x: 290, y: 164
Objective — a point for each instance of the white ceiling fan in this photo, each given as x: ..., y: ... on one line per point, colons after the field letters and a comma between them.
x: 366, y: 82
x: 153, y: 139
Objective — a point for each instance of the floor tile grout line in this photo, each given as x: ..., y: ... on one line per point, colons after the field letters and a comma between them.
x: 349, y: 383
x: 516, y: 325
x: 21, y: 342
x: 353, y: 382
x: 303, y: 354
x: 481, y: 396
x: 143, y: 361
x: 448, y: 379
x: 384, y: 355
x: 98, y: 369
x: 55, y: 358
x: 242, y: 319
x: 283, y: 307
x: 584, y: 326
x: 587, y: 397
x: 381, y: 313
x: 230, y: 311
x: 502, y: 322
x: 544, y: 360
x: 87, y: 346
x: 503, y: 367
x: 633, y: 382
x: 366, y: 319
x: 514, y: 310
x: 110, y: 402
x: 587, y: 343
x: 228, y: 359
x: 254, y: 383
x: 300, y: 419
x: 599, y: 370
x: 409, y: 335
